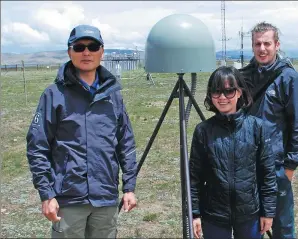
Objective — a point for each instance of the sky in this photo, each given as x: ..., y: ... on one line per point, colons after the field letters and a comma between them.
x: 33, y: 26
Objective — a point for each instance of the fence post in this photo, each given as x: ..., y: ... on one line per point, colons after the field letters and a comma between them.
x: 25, y: 85
x: 16, y: 67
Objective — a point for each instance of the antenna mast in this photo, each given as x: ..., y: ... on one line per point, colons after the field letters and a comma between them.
x: 242, y: 35
x: 223, y: 30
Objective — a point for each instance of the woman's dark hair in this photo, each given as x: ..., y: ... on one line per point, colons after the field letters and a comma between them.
x: 217, y: 82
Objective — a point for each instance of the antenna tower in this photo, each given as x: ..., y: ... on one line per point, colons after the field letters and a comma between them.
x: 223, y: 30
x: 242, y: 35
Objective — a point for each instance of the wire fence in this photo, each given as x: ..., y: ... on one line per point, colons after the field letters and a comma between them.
x: 126, y: 63
x: 24, y: 77
x: 21, y: 80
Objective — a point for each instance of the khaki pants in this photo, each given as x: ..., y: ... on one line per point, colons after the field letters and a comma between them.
x: 86, y: 221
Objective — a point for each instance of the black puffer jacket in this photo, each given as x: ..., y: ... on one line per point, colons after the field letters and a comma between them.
x: 232, y: 170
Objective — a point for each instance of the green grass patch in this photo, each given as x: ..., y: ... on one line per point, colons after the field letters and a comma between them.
x: 150, y: 217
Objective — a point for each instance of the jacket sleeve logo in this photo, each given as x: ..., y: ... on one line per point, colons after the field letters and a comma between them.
x: 36, y: 118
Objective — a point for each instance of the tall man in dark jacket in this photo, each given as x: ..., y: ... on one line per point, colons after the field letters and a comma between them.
x: 274, y: 86
x: 79, y: 136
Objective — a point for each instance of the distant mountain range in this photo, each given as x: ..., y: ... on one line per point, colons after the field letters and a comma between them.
x: 47, y: 57
x: 56, y: 57
x: 248, y: 54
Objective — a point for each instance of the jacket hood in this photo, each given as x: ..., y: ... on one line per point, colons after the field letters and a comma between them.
x: 252, y: 76
x: 67, y: 76
x: 278, y: 64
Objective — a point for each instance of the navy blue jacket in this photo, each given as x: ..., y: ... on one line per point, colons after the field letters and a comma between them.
x: 275, y: 92
x: 232, y: 171
x: 77, y: 141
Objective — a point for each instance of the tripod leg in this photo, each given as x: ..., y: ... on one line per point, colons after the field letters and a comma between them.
x: 170, y: 100
x: 193, y: 90
x: 188, y: 93
x: 185, y: 179
x: 151, y: 79
x: 163, y: 114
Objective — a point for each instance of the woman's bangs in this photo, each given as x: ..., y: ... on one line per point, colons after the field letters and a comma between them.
x: 219, y: 82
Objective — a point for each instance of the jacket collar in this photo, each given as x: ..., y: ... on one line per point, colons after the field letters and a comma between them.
x: 108, y: 83
x: 235, y: 119
x: 279, y: 63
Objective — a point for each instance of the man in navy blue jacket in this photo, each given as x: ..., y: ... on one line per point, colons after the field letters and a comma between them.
x: 274, y: 87
x: 77, y: 140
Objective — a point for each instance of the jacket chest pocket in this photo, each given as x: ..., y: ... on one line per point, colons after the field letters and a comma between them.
x: 102, y: 121
x: 274, y: 101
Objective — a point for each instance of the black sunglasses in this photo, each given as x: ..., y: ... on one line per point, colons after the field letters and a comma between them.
x: 229, y: 93
x: 92, y: 47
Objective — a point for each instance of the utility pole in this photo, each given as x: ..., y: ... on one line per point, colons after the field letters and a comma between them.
x: 242, y: 35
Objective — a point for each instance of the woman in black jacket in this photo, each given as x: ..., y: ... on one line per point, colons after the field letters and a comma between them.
x: 232, y: 171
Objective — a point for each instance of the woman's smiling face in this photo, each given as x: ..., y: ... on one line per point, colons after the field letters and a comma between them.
x: 226, y: 100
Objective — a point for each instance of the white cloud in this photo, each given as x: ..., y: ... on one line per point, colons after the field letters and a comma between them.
x: 127, y: 24
x: 106, y: 30
x: 143, y: 18
x: 62, y: 18
x: 21, y: 33
x: 59, y: 19
x: 130, y: 27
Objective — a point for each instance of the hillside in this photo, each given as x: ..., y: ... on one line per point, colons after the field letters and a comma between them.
x: 235, y: 54
x: 56, y: 57
x: 47, y: 57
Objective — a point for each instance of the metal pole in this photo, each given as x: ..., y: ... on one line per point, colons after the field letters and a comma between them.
x: 25, y: 84
x: 185, y: 179
x: 241, y: 52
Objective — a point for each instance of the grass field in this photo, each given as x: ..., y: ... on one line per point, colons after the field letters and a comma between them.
x: 158, y: 213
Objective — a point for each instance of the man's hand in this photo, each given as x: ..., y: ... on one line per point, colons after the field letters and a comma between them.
x: 289, y: 173
x: 197, y: 227
x: 50, y: 209
x: 265, y: 224
x: 129, y: 201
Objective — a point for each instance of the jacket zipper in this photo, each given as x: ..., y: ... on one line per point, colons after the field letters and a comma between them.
x: 231, y: 174
x: 233, y: 178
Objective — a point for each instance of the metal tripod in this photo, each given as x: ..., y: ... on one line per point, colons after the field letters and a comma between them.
x: 180, y: 89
